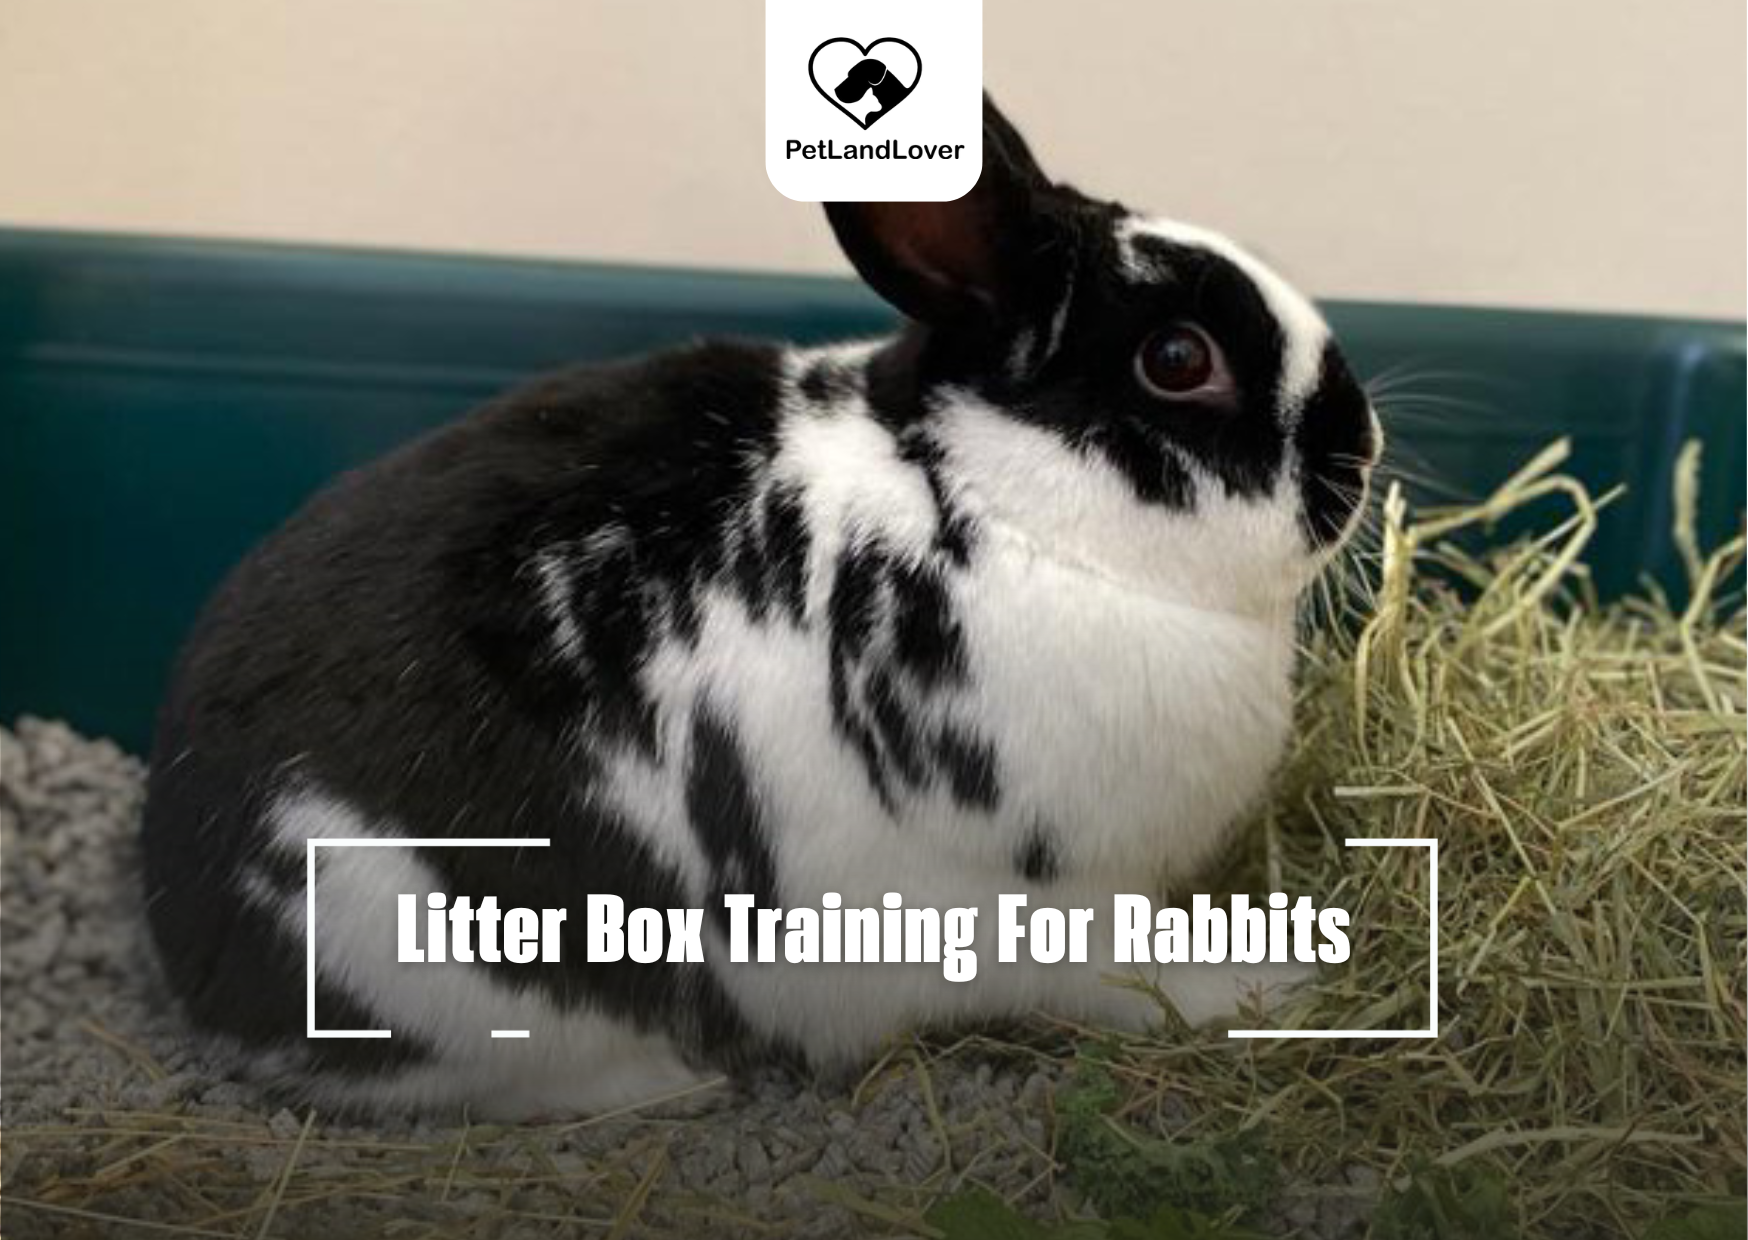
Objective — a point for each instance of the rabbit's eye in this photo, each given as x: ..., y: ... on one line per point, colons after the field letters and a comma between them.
x: 1181, y: 361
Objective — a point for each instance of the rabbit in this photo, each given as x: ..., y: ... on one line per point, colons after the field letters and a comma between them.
x: 1002, y: 603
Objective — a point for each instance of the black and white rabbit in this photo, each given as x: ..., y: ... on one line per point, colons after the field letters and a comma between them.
x: 1002, y: 604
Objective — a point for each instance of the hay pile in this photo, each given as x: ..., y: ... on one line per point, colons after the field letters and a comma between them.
x: 1582, y: 767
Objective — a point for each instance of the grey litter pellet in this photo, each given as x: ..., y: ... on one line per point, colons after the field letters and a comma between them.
x: 1362, y: 1176
x: 1302, y: 1213
x: 754, y: 1162
x: 923, y: 1158
x: 833, y: 1161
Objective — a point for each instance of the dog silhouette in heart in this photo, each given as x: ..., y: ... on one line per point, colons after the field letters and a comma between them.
x: 880, y: 75
x: 871, y: 74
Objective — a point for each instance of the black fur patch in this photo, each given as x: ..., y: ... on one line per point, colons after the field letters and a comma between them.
x: 786, y: 548
x: 1037, y: 860
x: 969, y: 765
x: 1150, y: 464
x: 854, y: 592
x: 895, y: 647
x: 767, y: 556
x: 613, y: 611
x: 896, y: 728
x: 1334, y: 437
x: 828, y: 380
x: 954, y: 531
x: 723, y: 808
x: 927, y: 640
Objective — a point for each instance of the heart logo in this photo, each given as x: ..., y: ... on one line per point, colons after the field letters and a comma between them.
x: 865, y: 83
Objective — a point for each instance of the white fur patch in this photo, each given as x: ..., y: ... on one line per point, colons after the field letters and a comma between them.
x: 555, y: 599
x: 1229, y: 554
x: 573, y: 1060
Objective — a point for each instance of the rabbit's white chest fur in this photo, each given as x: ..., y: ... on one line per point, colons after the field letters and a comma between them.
x: 1130, y: 708
x: 1138, y: 727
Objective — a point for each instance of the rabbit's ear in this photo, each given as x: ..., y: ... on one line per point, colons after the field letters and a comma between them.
x: 939, y: 261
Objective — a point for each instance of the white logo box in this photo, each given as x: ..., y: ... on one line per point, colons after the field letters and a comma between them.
x: 925, y: 147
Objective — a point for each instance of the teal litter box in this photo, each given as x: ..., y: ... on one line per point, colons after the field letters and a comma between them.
x: 165, y: 403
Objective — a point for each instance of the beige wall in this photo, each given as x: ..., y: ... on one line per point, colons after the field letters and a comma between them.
x: 1582, y: 153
